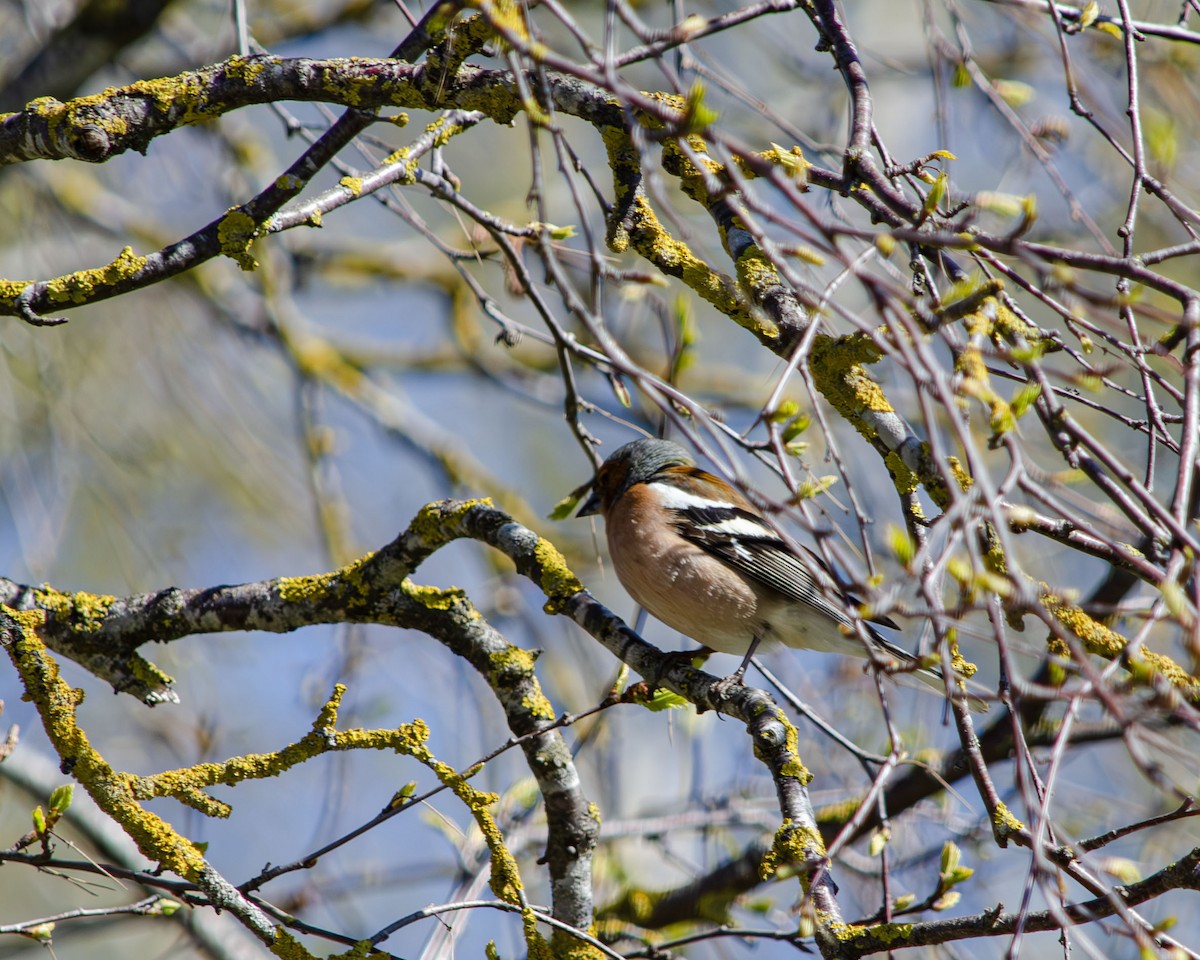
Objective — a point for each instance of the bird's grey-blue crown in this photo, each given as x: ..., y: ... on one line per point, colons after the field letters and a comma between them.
x: 648, y: 456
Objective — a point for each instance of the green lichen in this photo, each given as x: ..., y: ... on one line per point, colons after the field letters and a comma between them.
x: 1144, y: 666
x: 838, y: 814
x: 793, y: 845
x: 964, y: 480
x: 236, y: 232
x: 83, y: 285
x: 396, y: 156
x: 905, y: 480
x: 246, y: 69
x: 363, y: 950
x: 675, y: 258
x: 886, y: 933
x: 288, y: 947
x: 792, y: 767
x: 148, y: 674
x: 756, y: 273
x: 509, y: 660
x: 347, y: 86
x: 837, y: 366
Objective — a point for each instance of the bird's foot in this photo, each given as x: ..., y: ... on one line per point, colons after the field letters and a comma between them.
x: 723, y: 689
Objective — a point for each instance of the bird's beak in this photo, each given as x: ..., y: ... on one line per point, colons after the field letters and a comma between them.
x: 591, y: 506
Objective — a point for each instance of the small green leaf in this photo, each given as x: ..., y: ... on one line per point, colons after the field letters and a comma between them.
x: 664, y: 700
x: 951, y: 857
x: 556, y: 232
x: 60, y: 799
x: 936, y: 194
x: 43, y: 932
x: 690, y: 26
x: 565, y: 507
x: 1001, y: 204
x: 947, y: 900
x: 1091, y: 10
x: 902, y: 544
x: 696, y: 116
x: 785, y: 411
x: 622, y: 391
x: 1122, y: 868
x: 1014, y: 92
x: 1025, y: 398
x: 402, y: 796
x: 806, y: 254
x: 39, y: 820
x: 796, y: 427
x: 813, y: 488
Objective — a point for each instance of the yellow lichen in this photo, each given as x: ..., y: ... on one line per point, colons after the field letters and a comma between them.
x: 537, y: 704
x: 436, y: 598
x: 557, y: 580
x: 793, y: 845
x: 346, y: 86
x: 11, y: 289
x: 112, y: 791
x: 1004, y: 822
x: 1097, y: 638
x: 246, y: 69
x: 85, y: 611
x: 186, y: 94
x: 82, y: 285
x: 905, y: 480
x: 236, y: 232
x: 889, y: 933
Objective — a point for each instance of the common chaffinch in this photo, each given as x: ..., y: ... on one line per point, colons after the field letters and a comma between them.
x: 698, y: 556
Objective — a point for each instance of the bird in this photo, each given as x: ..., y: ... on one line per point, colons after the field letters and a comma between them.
x: 698, y: 556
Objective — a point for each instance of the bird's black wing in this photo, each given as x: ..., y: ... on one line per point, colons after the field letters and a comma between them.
x: 741, y: 539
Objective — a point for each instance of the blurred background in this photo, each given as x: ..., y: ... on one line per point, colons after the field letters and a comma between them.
x: 188, y: 435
